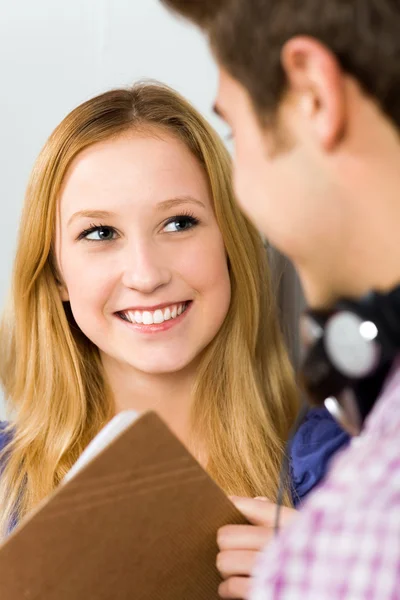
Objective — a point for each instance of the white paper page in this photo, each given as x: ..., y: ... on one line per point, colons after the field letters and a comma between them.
x: 110, y: 432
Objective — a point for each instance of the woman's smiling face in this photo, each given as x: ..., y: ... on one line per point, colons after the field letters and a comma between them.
x: 139, y: 251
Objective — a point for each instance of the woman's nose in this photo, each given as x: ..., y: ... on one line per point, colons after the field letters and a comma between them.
x: 146, y: 268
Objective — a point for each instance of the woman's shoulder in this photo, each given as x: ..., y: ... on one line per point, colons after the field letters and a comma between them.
x: 317, y: 440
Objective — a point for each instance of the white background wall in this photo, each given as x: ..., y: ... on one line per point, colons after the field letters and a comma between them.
x: 55, y: 54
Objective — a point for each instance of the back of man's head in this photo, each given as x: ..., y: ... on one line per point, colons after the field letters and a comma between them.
x: 311, y: 91
x: 248, y: 36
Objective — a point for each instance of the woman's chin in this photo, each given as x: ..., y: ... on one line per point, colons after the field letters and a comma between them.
x: 164, y: 367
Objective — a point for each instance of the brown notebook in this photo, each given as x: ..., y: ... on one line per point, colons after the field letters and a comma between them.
x: 138, y: 522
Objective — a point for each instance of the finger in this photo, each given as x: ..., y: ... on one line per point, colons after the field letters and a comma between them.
x: 261, y: 512
x: 236, y: 562
x: 264, y: 498
x: 237, y: 588
x: 243, y: 537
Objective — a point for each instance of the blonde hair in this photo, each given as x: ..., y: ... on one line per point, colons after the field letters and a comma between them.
x: 244, y: 397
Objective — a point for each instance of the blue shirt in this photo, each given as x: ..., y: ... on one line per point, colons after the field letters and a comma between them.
x: 317, y: 440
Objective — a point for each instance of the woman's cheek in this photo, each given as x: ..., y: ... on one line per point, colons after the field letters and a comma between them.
x: 204, y: 261
x: 206, y: 268
x: 89, y: 283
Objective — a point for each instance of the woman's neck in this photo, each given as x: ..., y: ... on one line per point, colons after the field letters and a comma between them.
x: 169, y: 395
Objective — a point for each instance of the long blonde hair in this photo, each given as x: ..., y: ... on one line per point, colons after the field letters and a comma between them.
x: 244, y: 396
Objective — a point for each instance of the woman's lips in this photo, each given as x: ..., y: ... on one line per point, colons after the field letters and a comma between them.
x: 157, y: 320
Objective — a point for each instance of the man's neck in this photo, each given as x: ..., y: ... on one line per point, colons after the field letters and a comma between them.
x: 366, y: 251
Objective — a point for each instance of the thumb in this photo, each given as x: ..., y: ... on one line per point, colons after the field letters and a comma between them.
x: 258, y: 511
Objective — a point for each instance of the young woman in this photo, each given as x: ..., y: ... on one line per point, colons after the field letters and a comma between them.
x: 139, y: 284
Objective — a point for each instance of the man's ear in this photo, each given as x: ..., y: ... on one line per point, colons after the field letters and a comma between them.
x: 316, y: 82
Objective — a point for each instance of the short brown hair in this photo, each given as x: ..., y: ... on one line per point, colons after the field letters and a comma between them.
x: 248, y: 36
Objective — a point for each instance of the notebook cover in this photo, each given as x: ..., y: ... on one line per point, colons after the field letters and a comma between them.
x: 139, y: 522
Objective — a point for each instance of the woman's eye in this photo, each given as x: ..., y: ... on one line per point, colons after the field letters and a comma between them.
x: 180, y: 223
x: 99, y: 234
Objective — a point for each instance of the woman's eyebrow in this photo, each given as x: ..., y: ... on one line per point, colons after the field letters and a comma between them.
x: 92, y: 214
x: 164, y: 205
x: 174, y: 202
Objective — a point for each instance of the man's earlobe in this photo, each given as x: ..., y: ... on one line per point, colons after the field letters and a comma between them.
x: 316, y: 79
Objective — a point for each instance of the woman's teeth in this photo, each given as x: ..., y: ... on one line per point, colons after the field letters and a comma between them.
x: 158, y: 316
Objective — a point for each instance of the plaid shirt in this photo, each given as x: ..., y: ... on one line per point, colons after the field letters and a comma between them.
x: 346, y: 543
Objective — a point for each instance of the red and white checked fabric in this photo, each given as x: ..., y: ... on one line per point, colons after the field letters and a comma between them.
x: 345, y: 545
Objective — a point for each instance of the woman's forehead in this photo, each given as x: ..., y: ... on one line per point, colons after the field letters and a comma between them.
x: 133, y: 169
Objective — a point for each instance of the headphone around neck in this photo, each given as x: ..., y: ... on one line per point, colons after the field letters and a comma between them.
x: 350, y: 350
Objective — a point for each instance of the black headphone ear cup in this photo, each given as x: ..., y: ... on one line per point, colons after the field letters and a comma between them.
x: 318, y: 376
x: 352, y: 344
x: 348, y: 354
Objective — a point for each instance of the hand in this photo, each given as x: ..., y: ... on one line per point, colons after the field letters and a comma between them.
x: 240, y: 544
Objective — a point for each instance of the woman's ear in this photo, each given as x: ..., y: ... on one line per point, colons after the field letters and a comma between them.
x: 62, y: 288
x: 63, y: 291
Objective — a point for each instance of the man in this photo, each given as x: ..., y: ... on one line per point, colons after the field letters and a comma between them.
x: 311, y: 91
